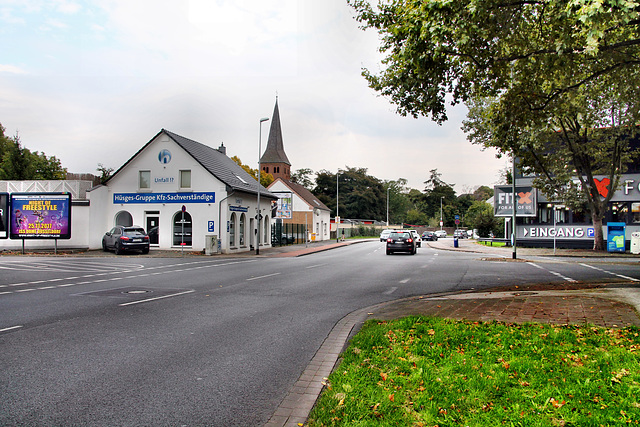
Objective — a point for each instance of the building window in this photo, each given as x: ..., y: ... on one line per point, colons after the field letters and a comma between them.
x: 241, y: 230
x: 185, y: 179
x: 266, y: 169
x: 232, y: 230
x: 635, y: 210
x: 619, y: 212
x: 124, y: 218
x: 144, y: 180
x: 182, y: 230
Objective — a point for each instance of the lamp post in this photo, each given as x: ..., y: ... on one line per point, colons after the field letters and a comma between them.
x: 337, y: 206
x: 264, y: 119
x: 388, y: 188
x: 441, y: 197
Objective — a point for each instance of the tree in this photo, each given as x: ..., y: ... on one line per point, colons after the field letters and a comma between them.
x: 399, y: 202
x: 480, y: 216
x: 527, y: 68
x: 303, y: 177
x: 105, y: 172
x: 361, y: 196
x: 18, y: 163
x: 265, y: 178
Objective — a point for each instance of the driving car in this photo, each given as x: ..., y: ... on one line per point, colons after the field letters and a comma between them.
x: 401, y: 241
x: 441, y: 233
x: 429, y: 235
x: 416, y: 238
x: 385, y: 235
x: 122, y: 239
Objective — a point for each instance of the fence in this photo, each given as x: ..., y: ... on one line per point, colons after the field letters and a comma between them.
x: 288, y: 234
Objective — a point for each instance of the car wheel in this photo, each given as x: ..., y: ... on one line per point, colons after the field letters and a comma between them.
x: 104, y: 246
x: 413, y: 252
x: 388, y: 252
x: 145, y: 251
x: 117, y: 250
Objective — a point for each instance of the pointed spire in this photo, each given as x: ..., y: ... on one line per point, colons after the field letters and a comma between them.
x: 274, y: 153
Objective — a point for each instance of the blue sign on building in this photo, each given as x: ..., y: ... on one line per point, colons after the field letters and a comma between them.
x: 138, y: 198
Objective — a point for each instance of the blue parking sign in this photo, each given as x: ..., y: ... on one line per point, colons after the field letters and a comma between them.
x: 210, y: 226
x: 591, y: 232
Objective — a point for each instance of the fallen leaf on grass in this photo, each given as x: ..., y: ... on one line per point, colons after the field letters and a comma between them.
x: 557, y: 404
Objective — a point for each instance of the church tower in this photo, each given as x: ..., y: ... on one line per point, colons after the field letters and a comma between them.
x: 274, y: 160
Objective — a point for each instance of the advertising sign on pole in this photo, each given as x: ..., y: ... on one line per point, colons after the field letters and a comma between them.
x: 40, y: 216
x: 285, y: 205
x: 526, y: 201
x: 4, y: 215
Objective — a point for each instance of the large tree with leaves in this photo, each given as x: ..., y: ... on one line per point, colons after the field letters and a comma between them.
x: 19, y: 163
x: 530, y: 69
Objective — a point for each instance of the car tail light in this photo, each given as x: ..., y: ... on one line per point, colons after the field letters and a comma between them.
x: 125, y: 238
x: 145, y: 238
x: 410, y: 240
x: 389, y: 240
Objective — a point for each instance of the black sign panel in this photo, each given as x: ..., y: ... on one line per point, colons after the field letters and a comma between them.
x: 4, y: 215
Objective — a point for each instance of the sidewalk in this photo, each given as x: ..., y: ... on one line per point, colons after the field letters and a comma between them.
x: 613, y: 306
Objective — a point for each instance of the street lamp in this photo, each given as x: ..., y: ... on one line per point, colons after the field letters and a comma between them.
x: 388, y: 188
x: 264, y: 119
x: 441, y: 197
x: 337, y: 206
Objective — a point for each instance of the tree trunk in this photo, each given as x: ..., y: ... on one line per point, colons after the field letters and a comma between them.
x: 598, y: 238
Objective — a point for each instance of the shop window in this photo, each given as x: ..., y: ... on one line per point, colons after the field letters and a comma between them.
x: 182, y: 230
x: 635, y: 211
x: 232, y: 230
x: 241, y: 230
x: 124, y: 218
x: 619, y: 212
x: 144, y: 180
x: 185, y: 179
x: 545, y: 214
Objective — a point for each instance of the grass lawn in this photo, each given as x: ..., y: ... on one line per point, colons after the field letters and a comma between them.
x: 494, y: 244
x: 423, y: 371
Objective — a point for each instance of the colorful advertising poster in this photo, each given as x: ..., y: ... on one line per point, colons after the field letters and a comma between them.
x: 4, y: 215
x: 40, y: 216
x: 284, y: 209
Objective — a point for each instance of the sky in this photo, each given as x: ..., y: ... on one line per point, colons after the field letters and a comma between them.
x: 91, y: 82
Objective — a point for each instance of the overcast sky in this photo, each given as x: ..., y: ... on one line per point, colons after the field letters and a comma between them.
x: 92, y: 81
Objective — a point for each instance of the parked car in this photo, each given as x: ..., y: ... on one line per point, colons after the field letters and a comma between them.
x: 401, y: 241
x: 122, y: 239
x: 460, y: 234
x: 441, y: 233
x: 429, y: 235
x: 385, y: 235
x: 416, y: 238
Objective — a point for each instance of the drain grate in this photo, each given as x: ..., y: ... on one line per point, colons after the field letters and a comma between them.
x: 130, y: 292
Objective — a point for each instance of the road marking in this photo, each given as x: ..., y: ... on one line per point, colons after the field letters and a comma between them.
x: 155, y: 299
x: 390, y: 291
x: 317, y: 265
x: 568, y: 279
x: 610, y: 272
x: 11, y: 328
x: 404, y: 280
x: 262, y: 277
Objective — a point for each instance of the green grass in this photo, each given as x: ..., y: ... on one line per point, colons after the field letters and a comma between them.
x: 494, y: 244
x: 421, y: 371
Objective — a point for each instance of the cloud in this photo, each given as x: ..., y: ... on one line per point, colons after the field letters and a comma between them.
x: 11, y: 69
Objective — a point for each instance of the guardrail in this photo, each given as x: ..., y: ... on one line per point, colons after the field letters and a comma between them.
x: 507, y: 242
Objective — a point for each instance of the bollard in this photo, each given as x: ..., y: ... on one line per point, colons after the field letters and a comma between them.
x: 455, y: 242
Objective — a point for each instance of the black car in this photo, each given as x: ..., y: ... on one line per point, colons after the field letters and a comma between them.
x: 429, y: 235
x: 122, y: 239
x: 401, y: 241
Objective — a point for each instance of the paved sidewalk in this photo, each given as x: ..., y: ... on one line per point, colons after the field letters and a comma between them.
x: 611, y: 306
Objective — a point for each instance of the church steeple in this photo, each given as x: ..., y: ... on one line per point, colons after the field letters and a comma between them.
x: 274, y: 160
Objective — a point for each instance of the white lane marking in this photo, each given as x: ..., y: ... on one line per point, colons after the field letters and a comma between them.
x: 11, y: 328
x: 390, y: 290
x: 262, y: 277
x: 568, y: 279
x: 317, y: 265
x: 610, y: 272
x: 155, y: 299
x: 404, y: 280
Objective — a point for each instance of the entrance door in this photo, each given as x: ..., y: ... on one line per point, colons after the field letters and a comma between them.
x: 153, y: 224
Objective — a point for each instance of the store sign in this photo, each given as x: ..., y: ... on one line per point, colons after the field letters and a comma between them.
x: 146, y: 198
x: 526, y: 201
x: 570, y: 232
x: 40, y: 216
x: 4, y: 215
x: 238, y: 209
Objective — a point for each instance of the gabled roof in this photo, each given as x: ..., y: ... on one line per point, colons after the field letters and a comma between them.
x: 303, y: 193
x: 274, y: 152
x: 215, y: 162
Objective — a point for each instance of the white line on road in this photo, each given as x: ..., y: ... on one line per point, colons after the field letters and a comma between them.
x: 317, y: 265
x: 568, y: 279
x: 154, y: 299
x: 404, y: 280
x: 610, y: 272
x: 390, y: 291
x: 11, y: 328
x: 262, y: 277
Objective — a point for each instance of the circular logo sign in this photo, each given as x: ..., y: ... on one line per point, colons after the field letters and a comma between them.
x: 164, y: 156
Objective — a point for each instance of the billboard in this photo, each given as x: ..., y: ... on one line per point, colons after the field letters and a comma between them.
x: 526, y: 197
x: 40, y: 216
x: 284, y: 208
x: 4, y: 215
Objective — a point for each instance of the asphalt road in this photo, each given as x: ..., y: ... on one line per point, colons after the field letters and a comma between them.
x: 200, y: 341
